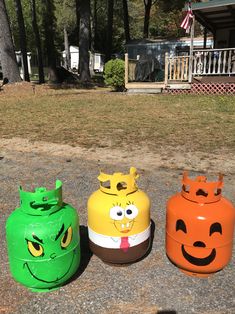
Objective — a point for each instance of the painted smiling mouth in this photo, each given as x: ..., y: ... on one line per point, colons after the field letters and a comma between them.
x: 57, y: 279
x: 124, y: 228
x: 198, y: 261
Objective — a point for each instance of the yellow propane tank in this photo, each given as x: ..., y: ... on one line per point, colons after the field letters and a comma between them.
x: 119, y: 219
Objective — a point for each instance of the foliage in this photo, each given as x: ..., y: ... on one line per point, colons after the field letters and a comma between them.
x: 165, y: 18
x: 166, y: 24
x: 65, y: 18
x: 114, y: 74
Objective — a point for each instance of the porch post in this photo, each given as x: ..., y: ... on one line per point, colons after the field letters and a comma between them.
x: 205, y: 37
x: 126, y: 68
x: 191, y: 51
x: 166, y: 68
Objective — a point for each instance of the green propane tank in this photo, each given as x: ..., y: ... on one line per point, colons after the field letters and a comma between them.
x: 43, y: 239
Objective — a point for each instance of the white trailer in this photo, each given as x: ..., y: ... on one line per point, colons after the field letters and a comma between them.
x: 96, y: 60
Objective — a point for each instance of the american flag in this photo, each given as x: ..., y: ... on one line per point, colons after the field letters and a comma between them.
x: 187, y: 21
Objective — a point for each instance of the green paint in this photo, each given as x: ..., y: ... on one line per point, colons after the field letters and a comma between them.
x: 43, y: 239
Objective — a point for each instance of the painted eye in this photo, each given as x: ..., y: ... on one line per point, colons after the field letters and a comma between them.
x: 35, y: 248
x: 67, y: 238
x: 116, y: 213
x: 131, y: 211
x: 216, y: 227
x: 180, y: 225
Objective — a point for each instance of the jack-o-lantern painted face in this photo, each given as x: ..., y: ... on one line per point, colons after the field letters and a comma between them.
x: 43, y: 239
x: 199, y: 261
x: 199, y: 233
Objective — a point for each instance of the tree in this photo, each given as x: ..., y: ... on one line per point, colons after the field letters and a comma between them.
x: 49, y: 25
x: 8, y: 59
x: 99, y: 25
x: 67, y: 50
x: 37, y: 42
x: 84, y: 40
x: 126, y: 20
x: 77, y: 3
x: 94, y: 26
x: 109, y: 30
x: 66, y: 24
x: 166, y: 18
x: 147, y: 7
x: 23, y: 41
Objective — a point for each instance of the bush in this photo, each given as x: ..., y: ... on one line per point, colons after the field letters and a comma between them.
x: 114, y: 74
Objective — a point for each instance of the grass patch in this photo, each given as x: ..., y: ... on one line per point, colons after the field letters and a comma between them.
x: 93, y: 119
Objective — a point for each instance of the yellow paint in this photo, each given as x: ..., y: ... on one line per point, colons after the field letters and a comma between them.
x: 119, y: 212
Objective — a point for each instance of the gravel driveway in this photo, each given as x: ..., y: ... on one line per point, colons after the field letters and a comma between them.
x: 153, y: 285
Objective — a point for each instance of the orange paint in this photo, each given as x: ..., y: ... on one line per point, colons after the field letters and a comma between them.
x: 199, y: 227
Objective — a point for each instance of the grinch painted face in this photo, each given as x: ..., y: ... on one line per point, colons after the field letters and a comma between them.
x: 43, y: 249
x: 52, y: 257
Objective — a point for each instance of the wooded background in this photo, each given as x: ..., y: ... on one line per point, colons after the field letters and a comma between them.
x: 47, y: 27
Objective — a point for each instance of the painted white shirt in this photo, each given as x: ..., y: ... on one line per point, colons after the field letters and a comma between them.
x: 115, y: 242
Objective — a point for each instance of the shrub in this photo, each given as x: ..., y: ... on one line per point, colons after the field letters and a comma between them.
x: 114, y: 74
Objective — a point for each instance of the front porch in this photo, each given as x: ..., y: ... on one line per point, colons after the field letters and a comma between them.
x: 213, y: 69
x: 204, y: 70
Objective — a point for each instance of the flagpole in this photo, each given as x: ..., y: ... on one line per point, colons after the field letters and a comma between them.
x: 191, y: 51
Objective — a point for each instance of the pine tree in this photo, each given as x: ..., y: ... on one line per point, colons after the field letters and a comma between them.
x: 84, y: 40
x: 9, y: 65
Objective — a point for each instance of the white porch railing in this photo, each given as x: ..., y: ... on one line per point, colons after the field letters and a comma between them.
x: 176, y: 68
x: 213, y: 62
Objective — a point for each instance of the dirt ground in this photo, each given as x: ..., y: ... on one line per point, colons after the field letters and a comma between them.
x: 176, y: 158
x: 154, y: 284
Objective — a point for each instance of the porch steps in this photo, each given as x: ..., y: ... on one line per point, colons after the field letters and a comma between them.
x: 178, y: 86
x: 144, y: 90
x: 145, y: 87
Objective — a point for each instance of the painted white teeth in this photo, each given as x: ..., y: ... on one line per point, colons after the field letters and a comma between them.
x: 127, y: 225
x: 123, y: 226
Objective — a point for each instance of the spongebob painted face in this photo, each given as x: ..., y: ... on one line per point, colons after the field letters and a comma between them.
x: 123, y: 218
x: 118, y: 216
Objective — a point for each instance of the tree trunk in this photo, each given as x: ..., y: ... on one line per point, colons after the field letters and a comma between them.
x: 10, y: 68
x: 95, y: 25
x: 38, y: 43
x: 147, y: 5
x: 23, y: 41
x: 77, y: 2
x: 109, y: 32
x: 84, y: 40
x: 67, y: 51
x: 126, y: 20
x: 49, y: 29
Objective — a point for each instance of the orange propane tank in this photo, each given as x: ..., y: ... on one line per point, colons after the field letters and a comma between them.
x: 199, y: 227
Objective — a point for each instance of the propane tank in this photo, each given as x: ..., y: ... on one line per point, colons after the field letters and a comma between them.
x: 119, y: 219
x: 199, y: 227
x: 43, y: 239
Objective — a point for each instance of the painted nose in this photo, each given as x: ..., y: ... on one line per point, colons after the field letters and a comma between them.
x: 199, y: 244
x: 53, y: 255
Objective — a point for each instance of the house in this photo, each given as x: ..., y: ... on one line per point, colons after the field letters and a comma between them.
x: 96, y: 60
x: 209, y: 68
x: 159, y: 47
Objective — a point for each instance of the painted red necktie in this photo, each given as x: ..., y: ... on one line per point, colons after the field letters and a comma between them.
x: 124, y: 244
